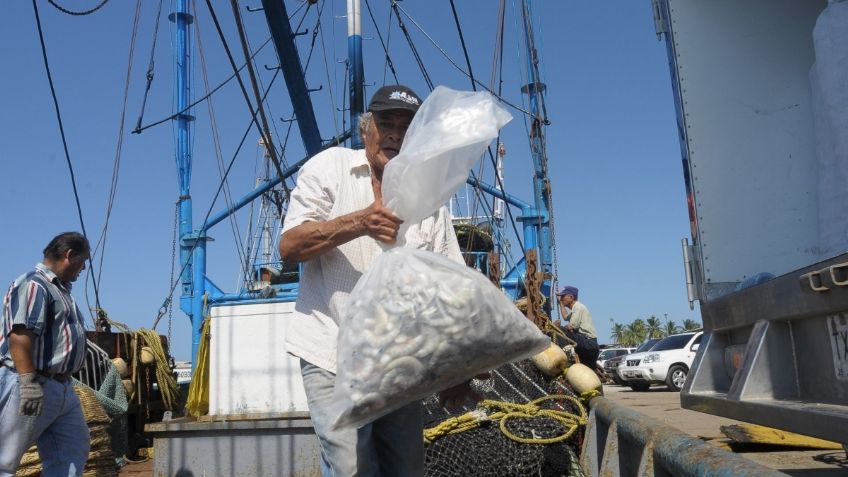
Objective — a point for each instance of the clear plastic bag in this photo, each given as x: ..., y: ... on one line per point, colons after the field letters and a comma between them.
x: 418, y: 323
x: 446, y: 137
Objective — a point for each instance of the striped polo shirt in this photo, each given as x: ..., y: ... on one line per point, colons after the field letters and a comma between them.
x: 43, y: 304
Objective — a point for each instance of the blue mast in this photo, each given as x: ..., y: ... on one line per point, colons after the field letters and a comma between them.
x: 535, y: 90
x: 182, y: 92
x: 356, y: 73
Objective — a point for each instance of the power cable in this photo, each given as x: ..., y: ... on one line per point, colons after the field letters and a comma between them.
x: 65, y: 146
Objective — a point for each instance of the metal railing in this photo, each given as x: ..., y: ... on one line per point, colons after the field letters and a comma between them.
x: 621, y: 442
x: 97, y: 364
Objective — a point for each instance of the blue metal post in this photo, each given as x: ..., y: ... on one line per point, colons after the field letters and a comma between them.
x: 198, y: 293
x: 182, y: 44
x: 356, y: 73
x: 535, y: 91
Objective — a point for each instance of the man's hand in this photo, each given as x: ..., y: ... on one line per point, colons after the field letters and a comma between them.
x: 32, y: 395
x: 380, y: 223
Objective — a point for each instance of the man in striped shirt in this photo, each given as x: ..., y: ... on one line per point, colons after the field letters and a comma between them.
x: 42, y: 344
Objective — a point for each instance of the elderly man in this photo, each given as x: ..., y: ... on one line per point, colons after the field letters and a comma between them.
x: 335, y: 225
x: 42, y: 344
x: 579, y: 326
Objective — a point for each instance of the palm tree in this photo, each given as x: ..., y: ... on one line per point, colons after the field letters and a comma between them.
x: 671, y: 328
x: 635, y: 332
x: 689, y: 324
x: 653, y: 327
x: 617, y: 333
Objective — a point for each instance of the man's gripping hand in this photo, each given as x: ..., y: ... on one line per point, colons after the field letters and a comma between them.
x: 380, y: 223
x: 32, y: 395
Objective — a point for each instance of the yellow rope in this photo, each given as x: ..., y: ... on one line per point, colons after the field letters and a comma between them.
x: 197, y: 403
x: 504, y: 411
x: 167, y: 384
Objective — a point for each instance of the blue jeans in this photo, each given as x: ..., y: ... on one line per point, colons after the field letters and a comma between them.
x: 391, y: 446
x: 60, y: 432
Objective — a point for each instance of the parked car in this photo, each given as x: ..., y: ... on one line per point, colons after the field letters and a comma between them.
x: 668, y: 362
x: 609, y: 353
x: 611, y: 365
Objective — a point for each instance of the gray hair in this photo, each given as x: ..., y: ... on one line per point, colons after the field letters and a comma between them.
x: 365, y: 122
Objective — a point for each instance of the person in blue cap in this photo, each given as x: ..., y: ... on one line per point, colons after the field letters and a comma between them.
x: 579, y: 326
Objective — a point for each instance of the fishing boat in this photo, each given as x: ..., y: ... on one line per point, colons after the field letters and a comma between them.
x: 247, y: 412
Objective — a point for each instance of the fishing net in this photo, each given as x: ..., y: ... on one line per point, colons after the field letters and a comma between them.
x: 527, y: 425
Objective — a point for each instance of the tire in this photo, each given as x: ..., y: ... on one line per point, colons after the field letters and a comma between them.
x: 676, y: 377
x: 640, y: 386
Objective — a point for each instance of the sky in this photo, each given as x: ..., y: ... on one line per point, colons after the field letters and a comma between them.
x: 612, y: 145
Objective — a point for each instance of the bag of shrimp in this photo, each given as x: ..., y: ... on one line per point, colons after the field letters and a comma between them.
x: 419, y: 323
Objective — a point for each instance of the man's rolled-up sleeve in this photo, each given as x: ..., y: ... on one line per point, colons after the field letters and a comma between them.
x: 313, y: 196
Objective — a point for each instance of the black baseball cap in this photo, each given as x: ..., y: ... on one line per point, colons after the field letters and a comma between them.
x: 394, y: 97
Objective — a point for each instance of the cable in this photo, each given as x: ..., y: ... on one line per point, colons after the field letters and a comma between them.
x: 216, y: 141
x: 140, y: 129
x: 101, y: 242
x: 265, y: 130
x: 169, y: 298
x: 77, y: 14
x: 389, y: 63
x: 418, y: 60
x: 65, y: 145
x: 450, y: 60
x: 150, y: 64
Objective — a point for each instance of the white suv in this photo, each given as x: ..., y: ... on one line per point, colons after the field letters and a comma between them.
x: 667, y: 363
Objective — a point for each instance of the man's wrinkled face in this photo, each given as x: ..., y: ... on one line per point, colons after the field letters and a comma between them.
x: 384, y: 136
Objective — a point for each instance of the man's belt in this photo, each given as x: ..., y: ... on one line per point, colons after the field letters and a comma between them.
x: 61, y: 377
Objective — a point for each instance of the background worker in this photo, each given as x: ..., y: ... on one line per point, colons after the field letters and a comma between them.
x: 579, y: 326
x: 42, y: 344
x: 335, y: 226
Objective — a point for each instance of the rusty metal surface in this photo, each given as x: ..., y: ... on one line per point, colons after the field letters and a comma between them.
x: 622, y: 442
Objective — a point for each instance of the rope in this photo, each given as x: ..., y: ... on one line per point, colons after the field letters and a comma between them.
x: 504, y: 411
x: 77, y: 14
x: 167, y: 384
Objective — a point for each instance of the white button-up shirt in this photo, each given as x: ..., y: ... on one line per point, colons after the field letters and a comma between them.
x: 337, y: 182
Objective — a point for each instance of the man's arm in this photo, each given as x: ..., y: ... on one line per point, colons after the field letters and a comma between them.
x: 310, y: 239
x: 20, y: 347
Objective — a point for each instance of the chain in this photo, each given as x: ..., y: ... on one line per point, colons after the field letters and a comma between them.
x: 148, y: 392
x: 173, y: 265
x: 77, y: 14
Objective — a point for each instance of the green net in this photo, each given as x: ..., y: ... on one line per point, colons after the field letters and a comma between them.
x: 113, y: 398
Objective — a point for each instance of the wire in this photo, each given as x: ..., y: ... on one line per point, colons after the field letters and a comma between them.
x: 149, y: 68
x: 264, y: 130
x: 140, y: 129
x: 169, y: 298
x: 217, y: 142
x: 101, y: 243
x: 64, y: 144
x: 450, y: 60
x: 418, y: 60
x: 389, y: 63
x: 77, y: 14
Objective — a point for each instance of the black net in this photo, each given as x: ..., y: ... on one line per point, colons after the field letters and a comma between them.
x: 486, y: 450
